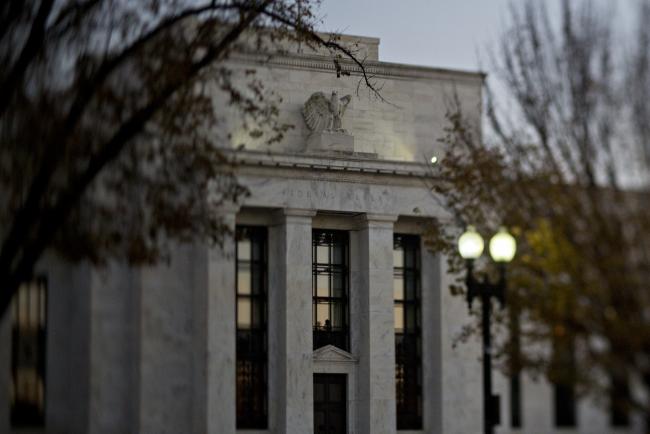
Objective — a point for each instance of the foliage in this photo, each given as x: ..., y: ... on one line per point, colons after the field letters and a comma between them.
x: 108, y: 119
x: 566, y: 169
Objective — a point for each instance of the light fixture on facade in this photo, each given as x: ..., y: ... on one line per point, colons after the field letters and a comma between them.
x: 434, y: 159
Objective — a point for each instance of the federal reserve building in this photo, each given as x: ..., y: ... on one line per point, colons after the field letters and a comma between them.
x: 324, y: 311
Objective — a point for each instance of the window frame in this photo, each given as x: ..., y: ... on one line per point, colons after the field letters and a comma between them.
x: 255, y: 358
x: 410, y: 413
x: 21, y: 416
x: 323, y: 334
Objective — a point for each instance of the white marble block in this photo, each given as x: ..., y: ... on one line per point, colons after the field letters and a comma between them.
x: 330, y: 141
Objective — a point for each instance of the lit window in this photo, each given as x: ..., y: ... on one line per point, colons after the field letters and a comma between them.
x: 330, y: 288
x: 29, y: 320
x: 408, y: 336
x: 252, y: 354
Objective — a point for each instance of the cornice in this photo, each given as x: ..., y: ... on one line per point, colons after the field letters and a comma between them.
x: 350, y: 168
x: 372, y: 67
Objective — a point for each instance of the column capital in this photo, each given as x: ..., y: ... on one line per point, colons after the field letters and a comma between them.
x: 228, y: 209
x: 295, y: 214
x: 298, y: 212
x: 374, y: 220
x: 373, y: 217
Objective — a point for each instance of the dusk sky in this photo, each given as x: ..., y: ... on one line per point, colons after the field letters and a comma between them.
x: 440, y: 33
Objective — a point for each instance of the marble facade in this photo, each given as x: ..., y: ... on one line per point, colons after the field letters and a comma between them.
x: 153, y: 350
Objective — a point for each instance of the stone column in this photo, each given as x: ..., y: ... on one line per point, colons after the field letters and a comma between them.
x: 215, y: 336
x: 376, y: 334
x: 290, y: 322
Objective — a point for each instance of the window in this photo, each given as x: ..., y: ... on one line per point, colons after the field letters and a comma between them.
x: 565, y: 407
x: 28, y: 331
x: 515, y: 370
x: 515, y: 399
x: 619, y: 399
x: 330, y: 281
x: 408, y: 336
x: 564, y: 382
x: 252, y: 353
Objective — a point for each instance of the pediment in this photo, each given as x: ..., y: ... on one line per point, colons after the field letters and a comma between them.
x: 330, y: 353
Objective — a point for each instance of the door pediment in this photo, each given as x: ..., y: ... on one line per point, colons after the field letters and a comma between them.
x: 330, y: 353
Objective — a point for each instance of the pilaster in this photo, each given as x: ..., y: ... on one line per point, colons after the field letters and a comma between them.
x: 376, y: 334
x: 215, y: 335
x: 290, y: 322
x: 432, y: 372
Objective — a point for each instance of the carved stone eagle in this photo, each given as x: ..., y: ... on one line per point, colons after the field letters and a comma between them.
x: 324, y: 114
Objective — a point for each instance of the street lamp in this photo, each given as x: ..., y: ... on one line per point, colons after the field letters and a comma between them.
x: 502, y: 249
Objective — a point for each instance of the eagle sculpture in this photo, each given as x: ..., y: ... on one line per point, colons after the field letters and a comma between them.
x: 324, y: 114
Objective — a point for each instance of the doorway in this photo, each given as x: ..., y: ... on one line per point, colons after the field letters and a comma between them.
x: 330, y: 404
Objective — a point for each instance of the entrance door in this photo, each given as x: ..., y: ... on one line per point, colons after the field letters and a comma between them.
x: 330, y: 404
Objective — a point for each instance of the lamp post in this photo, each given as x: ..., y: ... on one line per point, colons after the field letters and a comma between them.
x: 502, y: 250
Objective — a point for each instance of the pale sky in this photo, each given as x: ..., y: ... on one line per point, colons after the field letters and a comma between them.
x: 441, y: 33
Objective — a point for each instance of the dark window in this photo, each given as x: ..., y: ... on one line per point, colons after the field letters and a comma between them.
x: 330, y: 281
x: 564, y: 382
x: 330, y: 404
x: 252, y: 354
x: 515, y: 370
x: 565, y: 405
x: 515, y: 399
x: 619, y: 400
x: 408, y: 336
x: 28, y: 331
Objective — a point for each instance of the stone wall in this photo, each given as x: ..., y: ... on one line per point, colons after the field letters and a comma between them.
x: 405, y: 127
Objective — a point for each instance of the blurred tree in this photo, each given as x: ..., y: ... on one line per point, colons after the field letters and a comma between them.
x: 565, y: 166
x: 108, y: 115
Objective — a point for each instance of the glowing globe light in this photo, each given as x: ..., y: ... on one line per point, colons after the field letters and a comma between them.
x: 470, y: 244
x: 503, y: 246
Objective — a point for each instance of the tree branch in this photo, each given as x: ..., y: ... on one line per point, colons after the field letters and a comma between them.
x: 109, y: 152
x: 31, y: 48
